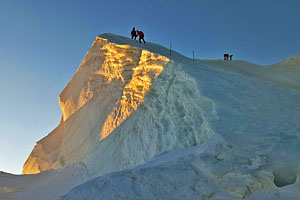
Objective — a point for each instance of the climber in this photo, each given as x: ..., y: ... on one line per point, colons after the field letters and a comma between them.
x: 230, y: 57
x: 133, y: 34
x: 141, y: 36
x: 226, y: 56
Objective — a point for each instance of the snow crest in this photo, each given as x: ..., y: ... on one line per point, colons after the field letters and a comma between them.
x: 123, y: 106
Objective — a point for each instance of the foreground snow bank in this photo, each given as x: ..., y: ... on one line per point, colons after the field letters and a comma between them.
x: 202, y: 172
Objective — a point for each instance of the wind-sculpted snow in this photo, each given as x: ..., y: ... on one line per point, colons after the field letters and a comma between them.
x: 145, y: 101
x: 154, y: 126
x: 149, y: 66
x: 202, y: 172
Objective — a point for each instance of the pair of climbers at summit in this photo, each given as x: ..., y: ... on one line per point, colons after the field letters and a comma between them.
x: 135, y: 33
x: 227, y: 56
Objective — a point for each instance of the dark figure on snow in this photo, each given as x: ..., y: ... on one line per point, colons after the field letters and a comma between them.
x: 141, y: 36
x: 230, y: 57
x: 133, y: 34
x: 226, y: 56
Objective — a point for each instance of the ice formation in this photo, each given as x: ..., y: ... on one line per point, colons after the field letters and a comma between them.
x: 138, y: 123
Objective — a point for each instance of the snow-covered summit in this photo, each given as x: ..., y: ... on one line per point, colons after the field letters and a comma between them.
x: 140, y: 99
x: 134, y: 115
x: 152, y: 47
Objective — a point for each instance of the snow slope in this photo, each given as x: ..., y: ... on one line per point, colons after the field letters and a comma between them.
x: 192, y: 173
x: 231, y: 127
x: 46, y: 185
x: 285, y: 73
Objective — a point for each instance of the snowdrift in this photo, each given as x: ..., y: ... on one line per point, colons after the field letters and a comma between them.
x: 209, y: 129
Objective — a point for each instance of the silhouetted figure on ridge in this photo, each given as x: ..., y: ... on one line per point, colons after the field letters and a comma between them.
x: 133, y: 34
x: 141, y: 36
x: 230, y: 57
x: 226, y: 56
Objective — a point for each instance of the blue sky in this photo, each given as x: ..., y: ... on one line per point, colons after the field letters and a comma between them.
x: 42, y: 44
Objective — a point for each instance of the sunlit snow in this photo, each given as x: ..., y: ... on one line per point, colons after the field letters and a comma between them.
x: 140, y: 124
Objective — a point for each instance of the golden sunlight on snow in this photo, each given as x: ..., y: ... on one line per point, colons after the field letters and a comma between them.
x: 119, y: 58
x: 125, y: 71
x: 150, y: 65
x: 69, y: 107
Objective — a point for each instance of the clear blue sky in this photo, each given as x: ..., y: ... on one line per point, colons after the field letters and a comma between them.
x: 42, y: 44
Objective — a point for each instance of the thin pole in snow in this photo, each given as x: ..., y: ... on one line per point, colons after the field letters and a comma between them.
x: 170, y: 48
x: 193, y: 56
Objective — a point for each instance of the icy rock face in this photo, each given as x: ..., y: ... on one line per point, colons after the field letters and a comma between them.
x: 123, y: 106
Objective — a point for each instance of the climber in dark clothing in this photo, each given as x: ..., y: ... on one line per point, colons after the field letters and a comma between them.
x: 133, y: 34
x: 230, y: 57
x: 226, y: 56
x: 141, y: 36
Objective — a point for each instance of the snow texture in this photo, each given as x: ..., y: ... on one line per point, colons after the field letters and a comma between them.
x: 140, y: 124
x: 190, y: 174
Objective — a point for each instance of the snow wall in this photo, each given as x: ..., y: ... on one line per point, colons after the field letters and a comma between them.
x: 123, y: 106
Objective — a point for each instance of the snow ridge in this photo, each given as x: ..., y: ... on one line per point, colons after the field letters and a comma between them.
x: 127, y: 103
